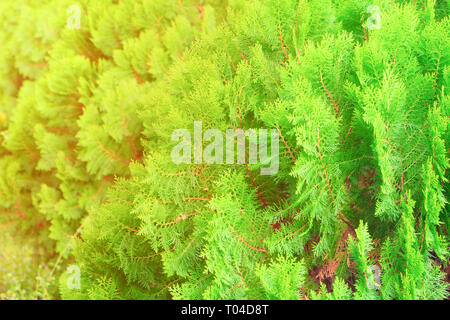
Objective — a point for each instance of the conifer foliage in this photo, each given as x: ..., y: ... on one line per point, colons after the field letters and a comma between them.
x: 357, y: 92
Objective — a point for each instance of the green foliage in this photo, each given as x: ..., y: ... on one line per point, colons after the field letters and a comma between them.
x: 408, y: 273
x: 359, y: 250
x: 87, y: 116
x: 282, y: 278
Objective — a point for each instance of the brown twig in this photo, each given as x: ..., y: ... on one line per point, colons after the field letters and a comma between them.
x: 333, y: 102
x: 246, y: 243
x: 181, y: 218
x: 323, y: 166
x: 282, y: 44
x: 286, y: 145
x: 112, y: 155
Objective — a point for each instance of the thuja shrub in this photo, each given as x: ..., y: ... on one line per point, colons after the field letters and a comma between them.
x: 71, y: 90
x: 358, y: 207
x: 355, y: 91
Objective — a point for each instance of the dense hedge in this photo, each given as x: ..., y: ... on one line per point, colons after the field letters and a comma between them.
x: 359, y: 102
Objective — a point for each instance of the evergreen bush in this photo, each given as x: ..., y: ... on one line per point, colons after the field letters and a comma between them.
x: 355, y: 90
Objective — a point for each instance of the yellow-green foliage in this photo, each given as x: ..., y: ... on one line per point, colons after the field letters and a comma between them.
x: 356, y: 90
